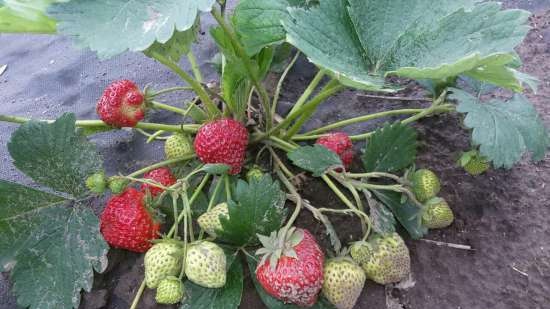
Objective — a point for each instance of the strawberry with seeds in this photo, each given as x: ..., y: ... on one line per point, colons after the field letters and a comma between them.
x: 291, y: 268
x: 222, y: 141
x: 339, y: 143
x: 122, y: 104
x: 125, y: 222
x: 161, y: 175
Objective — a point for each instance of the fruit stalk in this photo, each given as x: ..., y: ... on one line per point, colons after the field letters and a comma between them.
x: 309, y: 90
x: 197, y: 87
x: 250, y: 69
x: 168, y: 108
x: 212, y: 201
x: 161, y: 164
x: 280, y: 85
x: 171, y: 89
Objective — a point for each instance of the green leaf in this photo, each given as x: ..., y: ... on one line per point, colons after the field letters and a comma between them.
x: 391, y: 148
x: 26, y: 16
x: 273, y: 303
x: 50, y: 247
x: 504, y: 130
x: 178, y: 45
x: 258, y: 22
x: 316, y: 159
x: 111, y: 27
x: 55, y: 154
x: 407, y: 213
x: 228, y: 297
x: 362, y: 41
x: 257, y: 209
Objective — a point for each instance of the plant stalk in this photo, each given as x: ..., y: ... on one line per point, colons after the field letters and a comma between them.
x: 213, y: 111
x: 308, y: 91
x: 171, y: 89
x: 194, y: 66
x: 280, y: 84
x: 168, y: 108
x: 161, y: 164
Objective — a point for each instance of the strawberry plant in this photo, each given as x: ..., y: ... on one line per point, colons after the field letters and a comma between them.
x: 238, y: 149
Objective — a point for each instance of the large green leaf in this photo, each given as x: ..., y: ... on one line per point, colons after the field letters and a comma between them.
x: 26, y: 16
x: 316, y: 159
x: 362, y: 41
x: 504, y: 130
x: 382, y: 219
x: 258, y: 22
x: 228, y: 297
x: 391, y: 148
x: 111, y: 27
x: 273, y: 303
x: 407, y: 213
x: 258, y: 209
x: 50, y: 247
x: 55, y: 154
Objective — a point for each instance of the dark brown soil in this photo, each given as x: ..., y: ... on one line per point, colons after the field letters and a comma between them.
x: 504, y: 215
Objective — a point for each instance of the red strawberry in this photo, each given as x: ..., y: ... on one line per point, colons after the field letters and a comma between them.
x: 222, y: 141
x: 125, y: 222
x: 339, y: 143
x: 161, y: 175
x: 291, y: 270
x: 121, y: 105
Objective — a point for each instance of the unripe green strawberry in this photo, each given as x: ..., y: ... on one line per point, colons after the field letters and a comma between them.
x: 205, y: 264
x: 162, y: 260
x: 117, y: 184
x: 437, y: 214
x: 425, y: 184
x: 343, y: 282
x: 210, y: 221
x: 254, y: 173
x: 388, y: 259
x: 360, y: 252
x: 474, y: 163
x: 97, y: 182
x: 170, y: 291
x: 177, y: 146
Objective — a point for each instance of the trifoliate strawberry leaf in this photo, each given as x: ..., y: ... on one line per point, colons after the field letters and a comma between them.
x: 362, y: 41
x: 26, y: 16
x: 50, y: 245
x: 257, y: 209
x: 503, y: 130
x: 407, y: 213
x: 111, y: 27
x: 55, y: 154
x: 258, y: 22
x: 273, y: 303
x: 316, y: 159
x: 178, y: 45
x: 227, y: 297
x: 391, y: 148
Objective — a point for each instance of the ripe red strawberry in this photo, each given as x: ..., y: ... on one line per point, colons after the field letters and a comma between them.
x: 291, y: 270
x: 121, y: 105
x: 222, y: 141
x: 339, y: 143
x: 125, y: 222
x: 161, y: 175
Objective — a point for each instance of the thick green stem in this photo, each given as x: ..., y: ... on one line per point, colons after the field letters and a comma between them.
x: 213, y: 111
x: 364, y: 118
x: 327, y: 91
x: 217, y: 189
x: 171, y: 89
x: 167, y: 107
x: 194, y: 66
x: 309, y: 90
x: 191, y: 201
x: 280, y: 84
x: 251, y: 70
x: 161, y: 164
x: 337, y: 191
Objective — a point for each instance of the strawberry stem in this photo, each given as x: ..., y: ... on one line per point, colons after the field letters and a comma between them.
x: 213, y: 199
x: 161, y: 164
x: 138, y: 295
x: 213, y: 111
x: 298, y: 207
x: 280, y: 85
x: 309, y: 90
x: 167, y: 107
x: 194, y: 65
x: 168, y: 90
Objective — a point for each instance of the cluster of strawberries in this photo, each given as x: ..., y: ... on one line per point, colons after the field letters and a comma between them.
x: 293, y: 267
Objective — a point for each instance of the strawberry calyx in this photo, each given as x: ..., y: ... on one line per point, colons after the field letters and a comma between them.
x: 279, y: 244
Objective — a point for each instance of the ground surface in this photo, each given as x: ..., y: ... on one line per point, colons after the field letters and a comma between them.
x: 503, y: 215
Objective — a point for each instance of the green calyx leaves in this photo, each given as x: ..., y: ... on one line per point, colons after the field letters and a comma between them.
x: 360, y: 42
x: 278, y: 244
x: 503, y: 130
x: 41, y: 232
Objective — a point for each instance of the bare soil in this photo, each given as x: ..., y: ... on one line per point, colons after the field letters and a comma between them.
x: 504, y: 215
